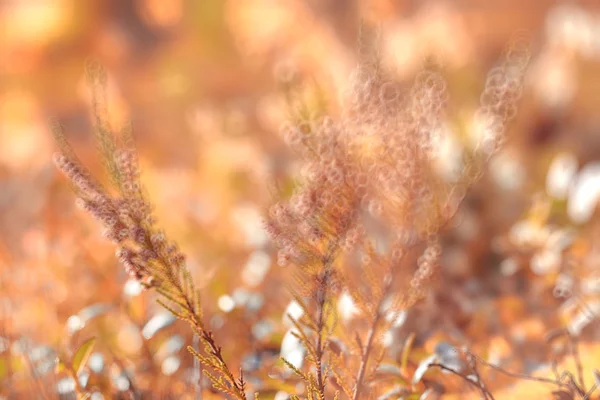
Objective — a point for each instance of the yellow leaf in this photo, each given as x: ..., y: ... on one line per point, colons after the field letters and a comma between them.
x: 82, y: 354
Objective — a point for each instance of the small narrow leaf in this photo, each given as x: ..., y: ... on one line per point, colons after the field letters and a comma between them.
x: 156, y: 323
x: 422, y: 368
x: 60, y: 366
x: 394, y: 393
x: 82, y: 354
x: 406, y: 351
x: 388, y: 369
x: 95, y: 310
x: 425, y: 394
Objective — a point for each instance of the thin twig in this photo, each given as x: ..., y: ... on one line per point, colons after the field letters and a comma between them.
x: 574, y: 350
x: 366, y: 350
x: 135, y: 394
x: 445, y: 368
x: 484, y: 390
x: 197, y: 372
x: 515, y: 374
x: 35, y: 376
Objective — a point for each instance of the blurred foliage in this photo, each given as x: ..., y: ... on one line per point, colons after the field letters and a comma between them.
x: 206, y: 86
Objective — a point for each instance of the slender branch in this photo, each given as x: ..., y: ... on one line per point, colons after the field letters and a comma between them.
x: 131, y: 386
x: 79, y: 391
x: 321, y: 295
x: 484, y: 391
x: 556, y: 382
x: 196, y: 322
x: 319, y: 350
x: 574, y: 350
x: 366, y: 351
x: 197, y: 372
x: 215, y: 351
x: 36, y: 378
x: 365, y: 358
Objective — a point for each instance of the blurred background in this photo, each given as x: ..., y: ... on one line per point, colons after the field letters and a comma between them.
x: 206, y: 85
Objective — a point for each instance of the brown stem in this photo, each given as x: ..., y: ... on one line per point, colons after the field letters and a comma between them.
x: 370, y: 337
x: 319, y: 350
x: 574, y: 350
x: 215, y: 351
x: 321, y: 296
x: 197, y: 372
x: 36, y: 378
x: 78, y: 389
x: 365, y: 357
x: 479, y: 386
x: 132, y: 388
x: 516, y: 375
x: 197, y: 325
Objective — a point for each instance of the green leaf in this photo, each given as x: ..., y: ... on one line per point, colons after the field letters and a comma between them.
x: 82, y: 354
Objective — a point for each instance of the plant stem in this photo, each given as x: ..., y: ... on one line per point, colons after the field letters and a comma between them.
x: 320, y: 384
x: 370, y: 338
x: 365, y: 357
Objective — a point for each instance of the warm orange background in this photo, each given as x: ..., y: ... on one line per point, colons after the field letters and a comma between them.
x: 203, y: 83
